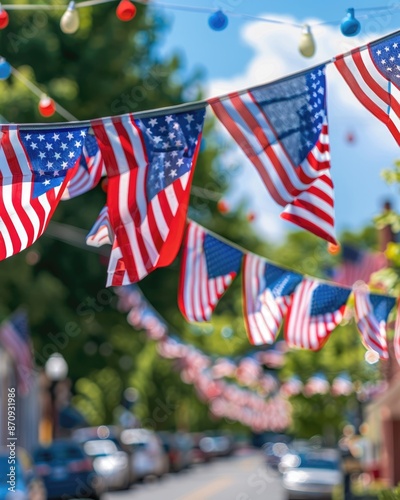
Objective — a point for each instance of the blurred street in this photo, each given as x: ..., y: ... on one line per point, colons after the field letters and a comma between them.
x: 244, y: 477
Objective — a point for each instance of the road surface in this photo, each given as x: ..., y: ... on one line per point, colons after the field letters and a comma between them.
x: 242, y: 477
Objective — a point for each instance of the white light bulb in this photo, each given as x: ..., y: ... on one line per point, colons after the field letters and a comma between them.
x: 307, y: 44
x: 69, y: 23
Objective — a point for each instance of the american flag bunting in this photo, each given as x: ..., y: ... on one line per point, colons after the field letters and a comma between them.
x: 208, y: 267
x: 15, y: 338
x: 101, y: 232
x: 88, y: 173
x: 315, y: 311
x: 371, y: 313
x: 150, y: 164
x: 373, y: 74
x: 35, y: 167
x: 282, y: 127
x: 267, y: 293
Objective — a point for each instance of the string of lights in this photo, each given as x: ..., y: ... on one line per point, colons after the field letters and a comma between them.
x: 218, y: 19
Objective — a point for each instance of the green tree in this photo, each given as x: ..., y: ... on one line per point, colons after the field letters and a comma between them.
x: 108, y: 68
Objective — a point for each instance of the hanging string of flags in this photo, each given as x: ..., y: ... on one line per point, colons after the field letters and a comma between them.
x: 312, y: 308
x: 228, y: 385
x: 218, y: 18
x: 149, y: 159
x: 216, y: 379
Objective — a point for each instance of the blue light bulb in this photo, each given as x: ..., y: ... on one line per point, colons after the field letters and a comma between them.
x: 218, y: 21
x: 350, y: 26
x: 5, y: 69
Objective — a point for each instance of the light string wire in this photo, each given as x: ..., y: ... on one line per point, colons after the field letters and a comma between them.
x: 190, y: 106
x: 36, y: 90
x: 208, y: 10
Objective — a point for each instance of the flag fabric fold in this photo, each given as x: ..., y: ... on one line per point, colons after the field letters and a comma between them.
x: 371, y: 313
x: 315, y: 311
x: 373, y: 74
x: 101, y: 232
x: 267, y: 293
x: 88, y: 173
x: 150, y: 165
x: 208, y: 267
x: 282, y: 127
x: 15, y: 338
x: 313, y: 209
x: 35, y: 167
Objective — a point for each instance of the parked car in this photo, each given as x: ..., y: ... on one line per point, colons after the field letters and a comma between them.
x: 67, y: 471
x: 116, y: 475
x: 312, y: 474
x: 217, y: 444
x: 110, y: 432
x: 273, y: 453
x: 179, y: 449
x: 148, y: 456
x: 28, y: 485
x: 111, y: 463
x: 184, y: 442
x: 199, y: 454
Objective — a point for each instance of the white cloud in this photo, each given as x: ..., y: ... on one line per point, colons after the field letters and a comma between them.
x: 355, y: 167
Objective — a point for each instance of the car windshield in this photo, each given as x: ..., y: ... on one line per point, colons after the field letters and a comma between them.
x: 100, y: 447
x: 318, y: 462
x: 67, y: 454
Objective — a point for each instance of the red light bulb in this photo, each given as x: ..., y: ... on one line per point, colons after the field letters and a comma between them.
x: 126, y: 11
x: 46, y: 106
x: 333, y: 249
x: 223, y: 207
x: 3, y: 19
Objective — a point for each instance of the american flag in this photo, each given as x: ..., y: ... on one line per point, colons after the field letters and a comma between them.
x: 267, y: 293
x: 282, y: 127
x: 208, y: 268
x: 88, y: 172
x: 150, y: 165
x: 357, y: 265
x: 317, y: 384
x: 373, y: 74
x: 396, y: 340
x: 223, y: 367
x: 101, y: 232
x: 371, y: 313
x: 313, y: 209
x: 291, y: 387
x: 35, y: 166
x: 248, y: 371
x: 342, y: 385
x: 15, y: 338
x: 315, y: 311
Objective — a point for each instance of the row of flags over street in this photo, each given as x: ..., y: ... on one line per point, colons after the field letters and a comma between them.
x: 238, y: 389
x: 149, y: 159
x: 312, y: 308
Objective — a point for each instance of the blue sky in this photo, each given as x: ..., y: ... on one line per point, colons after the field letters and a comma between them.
x: 251, y: 52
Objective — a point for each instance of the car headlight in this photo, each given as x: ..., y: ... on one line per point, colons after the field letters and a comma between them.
x: 295, y: 477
